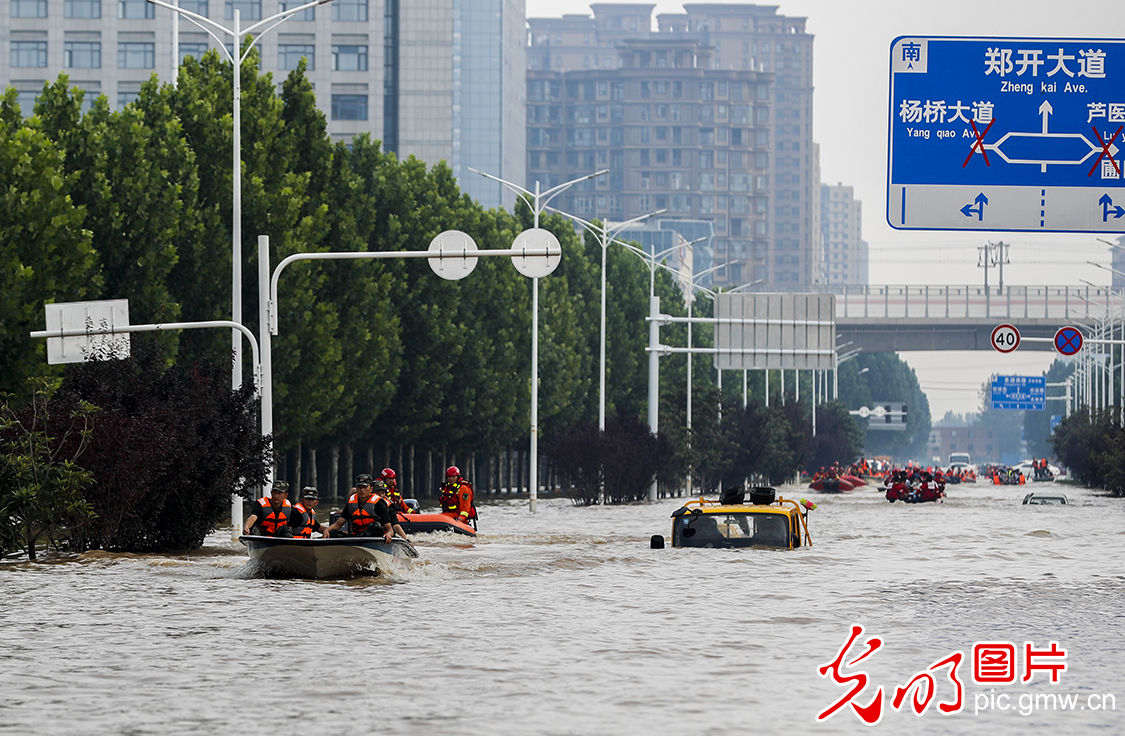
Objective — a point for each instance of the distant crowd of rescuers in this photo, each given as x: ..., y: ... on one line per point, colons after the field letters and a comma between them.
x: 371, y: 511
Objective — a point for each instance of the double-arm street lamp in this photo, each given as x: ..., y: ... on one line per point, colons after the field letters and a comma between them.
x: 605, y: 236
x: 236, y: 55
x: 537, y: 201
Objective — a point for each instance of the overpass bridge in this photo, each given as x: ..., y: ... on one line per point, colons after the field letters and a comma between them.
x: 903, y: 318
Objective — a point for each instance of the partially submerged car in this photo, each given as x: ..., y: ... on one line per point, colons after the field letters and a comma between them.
x: 1045, y: 499
x: 766, y: 521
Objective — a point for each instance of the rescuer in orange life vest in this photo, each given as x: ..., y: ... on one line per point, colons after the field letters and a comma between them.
x: 273, y: 516
x: 394, y: 498
x: 457, y: 496
x: 366, y: 514
x: 307, y: 508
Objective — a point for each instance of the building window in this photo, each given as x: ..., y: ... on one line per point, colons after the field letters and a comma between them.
x: 289, y: 54
x: 132, y: 9
x: 134, y: 55
x: 349, y: 58
x: 309, y: 14
x: 354, y: 10
x: 195, y: 50
x: 29, y: 53
x: 199, y: 7
x: 82, y: 55
x: 82, y: 9
x: 29, y: 9
x: 126, y: 98
x: 349, y: 107
x: 247, y: 9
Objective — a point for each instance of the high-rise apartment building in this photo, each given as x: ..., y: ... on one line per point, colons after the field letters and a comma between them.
x: 769, y: 52
x: 437, y: 79
x: 675, y: 134
x: 845, y: 250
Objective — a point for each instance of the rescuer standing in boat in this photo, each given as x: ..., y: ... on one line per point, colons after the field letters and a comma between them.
x: 307, y: 508
x: 273, y: 515
x: 365, y: 513
x: 457, y: 497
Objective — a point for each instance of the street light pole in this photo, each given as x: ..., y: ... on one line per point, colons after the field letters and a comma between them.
x: 236, y: 56
x: 537, y: 201
x: 605, y: 236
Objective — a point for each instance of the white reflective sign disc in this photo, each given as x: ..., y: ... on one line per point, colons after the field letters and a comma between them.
x: 453, y: 259
x: 536, y: 252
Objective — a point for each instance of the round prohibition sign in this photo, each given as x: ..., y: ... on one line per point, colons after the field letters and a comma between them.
x: 1068, y: 340
x: 1005, y: 338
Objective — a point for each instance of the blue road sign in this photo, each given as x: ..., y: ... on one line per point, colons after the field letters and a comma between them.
x: 1021, y: 393
x: 1068, y: 340
x: 1055, y: 420
x: 1023, y: 134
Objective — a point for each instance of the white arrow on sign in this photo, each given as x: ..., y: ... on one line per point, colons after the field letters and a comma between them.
x: 452, y: 259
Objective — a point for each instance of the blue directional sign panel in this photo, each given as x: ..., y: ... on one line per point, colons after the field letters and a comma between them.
x: 1056, y: 419
x: 1023, y: 134
x: 1022, y: 393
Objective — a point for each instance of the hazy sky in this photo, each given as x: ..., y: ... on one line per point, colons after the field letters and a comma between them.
x: 851, y: 57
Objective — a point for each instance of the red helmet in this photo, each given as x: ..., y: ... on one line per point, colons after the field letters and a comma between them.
x: 387, y: 473
x: 452, y: 471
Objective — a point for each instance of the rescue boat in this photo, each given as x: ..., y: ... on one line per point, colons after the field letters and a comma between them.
x: 335, y: 557
x: 729, y: 522
x: 424, y: 523
x: 832, y: 485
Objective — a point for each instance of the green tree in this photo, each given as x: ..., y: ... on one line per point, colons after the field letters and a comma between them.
x: 887, y: 378
x: 45, y: 252
x: 41, y: 483
x: 135, y: 176
x: 1037, y: 424
x: 170, y: 446
x: 838, y: 439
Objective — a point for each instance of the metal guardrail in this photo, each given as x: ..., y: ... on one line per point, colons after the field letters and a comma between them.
x: 1049, y: 303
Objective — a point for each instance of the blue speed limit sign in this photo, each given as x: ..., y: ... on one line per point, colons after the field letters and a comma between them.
x: 1005, y: 338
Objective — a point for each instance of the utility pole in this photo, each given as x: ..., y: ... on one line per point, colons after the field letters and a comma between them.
x: 984, y: 261
x: 999, y: 259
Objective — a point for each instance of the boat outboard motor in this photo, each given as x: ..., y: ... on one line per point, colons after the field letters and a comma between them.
x: 657, y: 541
x: 732, y: 496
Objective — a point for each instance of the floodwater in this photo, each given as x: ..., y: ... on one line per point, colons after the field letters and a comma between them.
x: 566, y: 622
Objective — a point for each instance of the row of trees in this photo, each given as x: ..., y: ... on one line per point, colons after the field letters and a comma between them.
x: 135, y: 204
x: 1091, y: 444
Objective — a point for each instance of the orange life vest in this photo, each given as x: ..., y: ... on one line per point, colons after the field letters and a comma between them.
x: 309, y: 521
x: 457, y: 497
x: 272, y: 520
x: 362, y: 518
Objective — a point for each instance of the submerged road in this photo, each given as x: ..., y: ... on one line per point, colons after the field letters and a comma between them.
x: 565, y: 622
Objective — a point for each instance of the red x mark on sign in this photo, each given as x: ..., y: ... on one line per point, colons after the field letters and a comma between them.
x: 978, y: 145
x: 1105, y: 151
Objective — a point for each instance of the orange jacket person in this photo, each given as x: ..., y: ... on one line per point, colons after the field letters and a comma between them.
x: 307, y: 508
x: 394, y: 498
x: 457, y: 496
x: 365, y: 513
x: 273, y: 515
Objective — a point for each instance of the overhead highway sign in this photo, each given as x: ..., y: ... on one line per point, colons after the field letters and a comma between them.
x: 1023, y: 134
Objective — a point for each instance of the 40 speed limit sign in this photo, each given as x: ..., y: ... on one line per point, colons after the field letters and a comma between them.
x: 1005, y: 338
